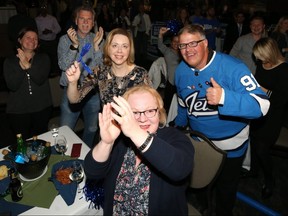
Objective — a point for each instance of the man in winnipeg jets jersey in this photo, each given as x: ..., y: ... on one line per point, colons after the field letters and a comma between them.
x: 217, y: 95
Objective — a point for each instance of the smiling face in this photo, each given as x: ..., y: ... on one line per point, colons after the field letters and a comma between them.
x: 257, y: 27
x: 197, y: 56
x: 119, y: 49
x: 174, y: 43
x: 29, y: 41
x: 143, y: 101
x: 84, y: 22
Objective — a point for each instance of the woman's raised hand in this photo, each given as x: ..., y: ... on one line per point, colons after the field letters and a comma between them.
x: 109, y: 128
x: 125, y: 117
x: 23, y: 60
x: 73, y: 73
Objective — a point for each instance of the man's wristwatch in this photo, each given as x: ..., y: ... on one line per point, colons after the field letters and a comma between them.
x: 74, y: 48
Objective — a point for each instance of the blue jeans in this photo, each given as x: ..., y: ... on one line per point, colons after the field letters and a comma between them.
x: 90, y: 107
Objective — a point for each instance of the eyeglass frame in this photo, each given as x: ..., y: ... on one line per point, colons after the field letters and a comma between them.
x: 144, y: 112
x: 190, y: 44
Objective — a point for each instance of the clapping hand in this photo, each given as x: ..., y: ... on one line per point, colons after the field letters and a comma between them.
x: 109, y: 128
x: 72, y: 34
x: 214, y: 93
x: 23, y: 60
x: 125, y: 117
x: 47, y: 31
x: 98, y: 38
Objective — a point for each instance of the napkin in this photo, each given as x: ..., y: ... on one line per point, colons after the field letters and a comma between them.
x: 33, y: 190
x: 4, y: 183
x: 68, y: 191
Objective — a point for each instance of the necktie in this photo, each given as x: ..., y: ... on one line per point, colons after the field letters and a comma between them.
x: 239, y: 29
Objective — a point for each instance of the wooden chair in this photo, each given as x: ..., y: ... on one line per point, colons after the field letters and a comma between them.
x: 208, y: 162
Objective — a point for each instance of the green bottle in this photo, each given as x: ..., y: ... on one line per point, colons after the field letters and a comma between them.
x: 21, y: 148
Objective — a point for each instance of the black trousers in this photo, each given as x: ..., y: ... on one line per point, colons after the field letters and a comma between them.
x: 30, y: 124
x: 227, y: 185
x: 141, y: 44
x: 170, y: 90
x: 50, y: 48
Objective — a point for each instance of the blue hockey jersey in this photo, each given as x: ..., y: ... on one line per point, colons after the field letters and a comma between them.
x: 227, y: 125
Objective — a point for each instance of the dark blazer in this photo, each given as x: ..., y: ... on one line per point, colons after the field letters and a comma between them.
x: 232, y: 35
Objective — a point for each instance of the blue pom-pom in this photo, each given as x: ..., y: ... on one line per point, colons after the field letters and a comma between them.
x: 174, y: 26
x: 94, y: 193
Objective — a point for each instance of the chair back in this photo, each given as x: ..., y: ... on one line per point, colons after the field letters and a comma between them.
x: 158, y: 73
x: 208, y: 160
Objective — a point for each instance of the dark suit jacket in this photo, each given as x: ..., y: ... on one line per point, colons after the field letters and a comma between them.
x: 232, y: 35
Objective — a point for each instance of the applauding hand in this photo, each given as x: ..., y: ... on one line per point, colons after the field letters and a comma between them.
x: 98, y: 38
x: 72, y: 34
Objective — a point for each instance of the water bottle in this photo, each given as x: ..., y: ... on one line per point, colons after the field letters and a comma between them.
x: 21, y: 148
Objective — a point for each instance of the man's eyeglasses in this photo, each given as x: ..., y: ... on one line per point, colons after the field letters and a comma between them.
x: 190, y: 44
x: 148, y: 113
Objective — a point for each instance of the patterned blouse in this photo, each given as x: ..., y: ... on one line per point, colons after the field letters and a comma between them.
x: 131, y: 196
x: 110, y: 85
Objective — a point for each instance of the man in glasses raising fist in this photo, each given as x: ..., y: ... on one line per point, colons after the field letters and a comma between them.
x: 219, y: 95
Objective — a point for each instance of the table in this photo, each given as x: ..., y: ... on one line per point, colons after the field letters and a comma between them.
x: 6, y: 13
x: 59, y: 207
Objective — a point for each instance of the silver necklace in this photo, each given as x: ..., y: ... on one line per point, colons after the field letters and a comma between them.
x: 29, y: 78
x: 29, y: 83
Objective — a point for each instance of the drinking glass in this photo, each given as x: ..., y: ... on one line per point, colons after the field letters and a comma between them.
x: 77, y: 174
x: 55, y: 131
x: 61, y: 145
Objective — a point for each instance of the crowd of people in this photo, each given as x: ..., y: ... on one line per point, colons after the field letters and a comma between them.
x: 234, y: 96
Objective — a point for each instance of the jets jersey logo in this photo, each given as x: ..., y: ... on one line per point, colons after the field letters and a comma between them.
x: 197, y: 106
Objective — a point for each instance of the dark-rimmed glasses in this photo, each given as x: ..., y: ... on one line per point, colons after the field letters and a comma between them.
x: 190, y: 44
x: 148, y: 113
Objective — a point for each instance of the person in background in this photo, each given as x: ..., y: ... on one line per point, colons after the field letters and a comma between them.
x: 183, y: 16
x: 212, y: 26
x: 114, y: 77
x: 29, y: 104
x: 122, y: 20
x: 234, y: 30
x: 19, y: 21
x: 217, y: 96
x: 197, y: 14
x: 172, y: 59
x: 105, y: 18
x: 142, y: 26
x: 242, y: 49
x: 280, y: 35
x: 69, y: 48
x: 138, y: 180
x: 48, y: 28
x: 271, y: 74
